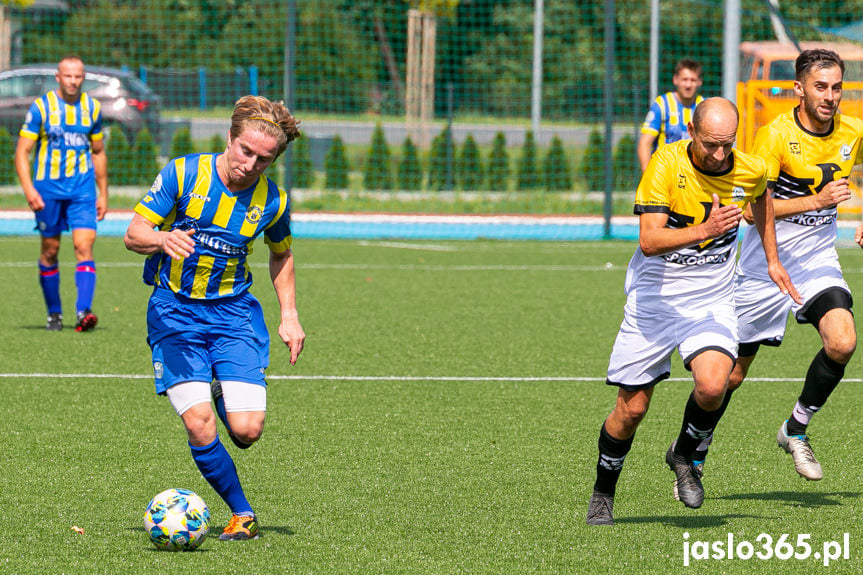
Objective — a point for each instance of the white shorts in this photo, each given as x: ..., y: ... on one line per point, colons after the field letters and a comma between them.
x: 641, y: 356
x: 239, y: 396
x: 762, y: 310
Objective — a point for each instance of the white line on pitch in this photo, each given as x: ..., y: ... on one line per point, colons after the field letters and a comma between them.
x: 381, y: 378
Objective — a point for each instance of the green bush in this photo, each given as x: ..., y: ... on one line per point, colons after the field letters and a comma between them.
x: 470, y: 170
x: 336, y: 164
x: 410, y: 172
x: 146, y: 159
x: 590, y: 169
x: 7, y: 158
x: 181, y: 143
x: 216, y: 146
x: 627, y: 170
x: 528, y: 165
x: 558, y: 175
x: 301, y: 163
x: 120, y: 164
x: 498, y: 165
x: 378, y: 174
x: 438, y: 168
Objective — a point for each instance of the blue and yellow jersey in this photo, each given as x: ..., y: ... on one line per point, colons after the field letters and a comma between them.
x: 667, y: 119
x: 63, y: 166
x: 188, y: 194
x: 800, y: 163
x: 673, y: 185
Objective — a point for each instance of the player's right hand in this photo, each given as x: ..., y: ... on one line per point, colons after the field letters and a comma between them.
x: 832, y: 194
x: 722, y: 218
x: 178, y: 243
x: 35, y: 201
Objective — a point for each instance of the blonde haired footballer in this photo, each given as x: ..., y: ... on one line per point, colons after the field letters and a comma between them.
x: 680, y: 293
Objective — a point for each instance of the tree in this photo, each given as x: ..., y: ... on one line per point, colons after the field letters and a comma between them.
x: 590, y: 169
x: 7, y: 158
x: 217, y: 145
x: 181, y: 143
x: 146, y: 161
x: 410, y: 172
x: 528, y: 165
x: 438, y: 167
x: 120, y: 164
x: 627, y: 170
x: 378, y: 173
x: 558, y: 175
x: 471, y: 174
x: 301, y: 163
x: 498, y: 164
x: 336, y: 163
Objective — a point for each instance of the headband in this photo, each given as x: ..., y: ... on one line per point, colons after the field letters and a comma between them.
x: 266, y: 120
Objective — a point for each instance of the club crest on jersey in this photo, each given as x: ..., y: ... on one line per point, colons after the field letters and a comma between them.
x: 737, y: 193
x: 794, y: 148
x: 157, y: 184
x: 845, y: 151
x: 681, y: 181
x: 254, y: 214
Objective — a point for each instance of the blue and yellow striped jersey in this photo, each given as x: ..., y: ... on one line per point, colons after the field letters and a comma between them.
x: 63, y: 166
x: 667, y: 119
x: 188, y: 194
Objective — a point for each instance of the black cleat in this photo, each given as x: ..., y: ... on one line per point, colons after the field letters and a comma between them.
x: 599, y: 512
x: 688, y: 483
x: 55, y: 322
x: 87, y: 320
x: 216, y: 392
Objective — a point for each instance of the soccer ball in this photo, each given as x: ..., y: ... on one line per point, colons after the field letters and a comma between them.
x: 177, y: 520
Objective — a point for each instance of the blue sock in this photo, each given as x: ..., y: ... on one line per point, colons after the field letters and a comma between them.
x: 218, y: 469
x: 49, y: 278
x: 85, y: 281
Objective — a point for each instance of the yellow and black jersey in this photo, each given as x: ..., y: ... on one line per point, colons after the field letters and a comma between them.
x: 673, y: 185
x: 801, y: 163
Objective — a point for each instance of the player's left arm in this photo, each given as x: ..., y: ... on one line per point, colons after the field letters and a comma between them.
x: 282, y: 274
x: 762, y: 215
x: 100, y: 170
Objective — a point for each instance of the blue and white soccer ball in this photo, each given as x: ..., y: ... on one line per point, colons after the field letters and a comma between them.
x: 177, y: 520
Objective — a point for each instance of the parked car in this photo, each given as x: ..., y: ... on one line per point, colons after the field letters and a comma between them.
x: 766, y: 86
x: 126, y: 101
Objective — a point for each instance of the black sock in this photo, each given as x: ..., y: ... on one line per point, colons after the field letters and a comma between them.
x: 697, y: 425
x: 612, y: 452
x: 700, y: 454
x: 822, y: 378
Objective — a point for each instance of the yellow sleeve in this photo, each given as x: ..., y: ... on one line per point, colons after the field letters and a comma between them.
x: 769, y: 146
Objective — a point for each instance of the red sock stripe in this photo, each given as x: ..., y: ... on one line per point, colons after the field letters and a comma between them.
x: 49, y: 273
x: 90, y: 269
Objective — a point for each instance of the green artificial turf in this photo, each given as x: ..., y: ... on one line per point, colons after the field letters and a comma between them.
x: 442, y: 419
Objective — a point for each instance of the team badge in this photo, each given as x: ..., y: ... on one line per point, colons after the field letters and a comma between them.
x: 737, y: 193
x: 254, y: 214
x: 845, y: 150
x: 158, y: 369
x: 157, y: 184
x: 681, y: 181
x: 794, y: 147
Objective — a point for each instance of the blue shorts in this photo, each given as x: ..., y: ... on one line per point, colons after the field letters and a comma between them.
x: 196, y: 340
x: 59, y: 215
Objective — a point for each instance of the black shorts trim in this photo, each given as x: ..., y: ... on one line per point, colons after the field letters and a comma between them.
x: 750, y: 348
x: 632, y: 388
x: 694, y: 354
x: 830, y: 298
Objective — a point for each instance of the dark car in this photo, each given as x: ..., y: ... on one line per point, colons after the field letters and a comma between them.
x: 126, y: 101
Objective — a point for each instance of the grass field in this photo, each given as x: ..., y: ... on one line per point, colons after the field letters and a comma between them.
x: 442, y: 419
